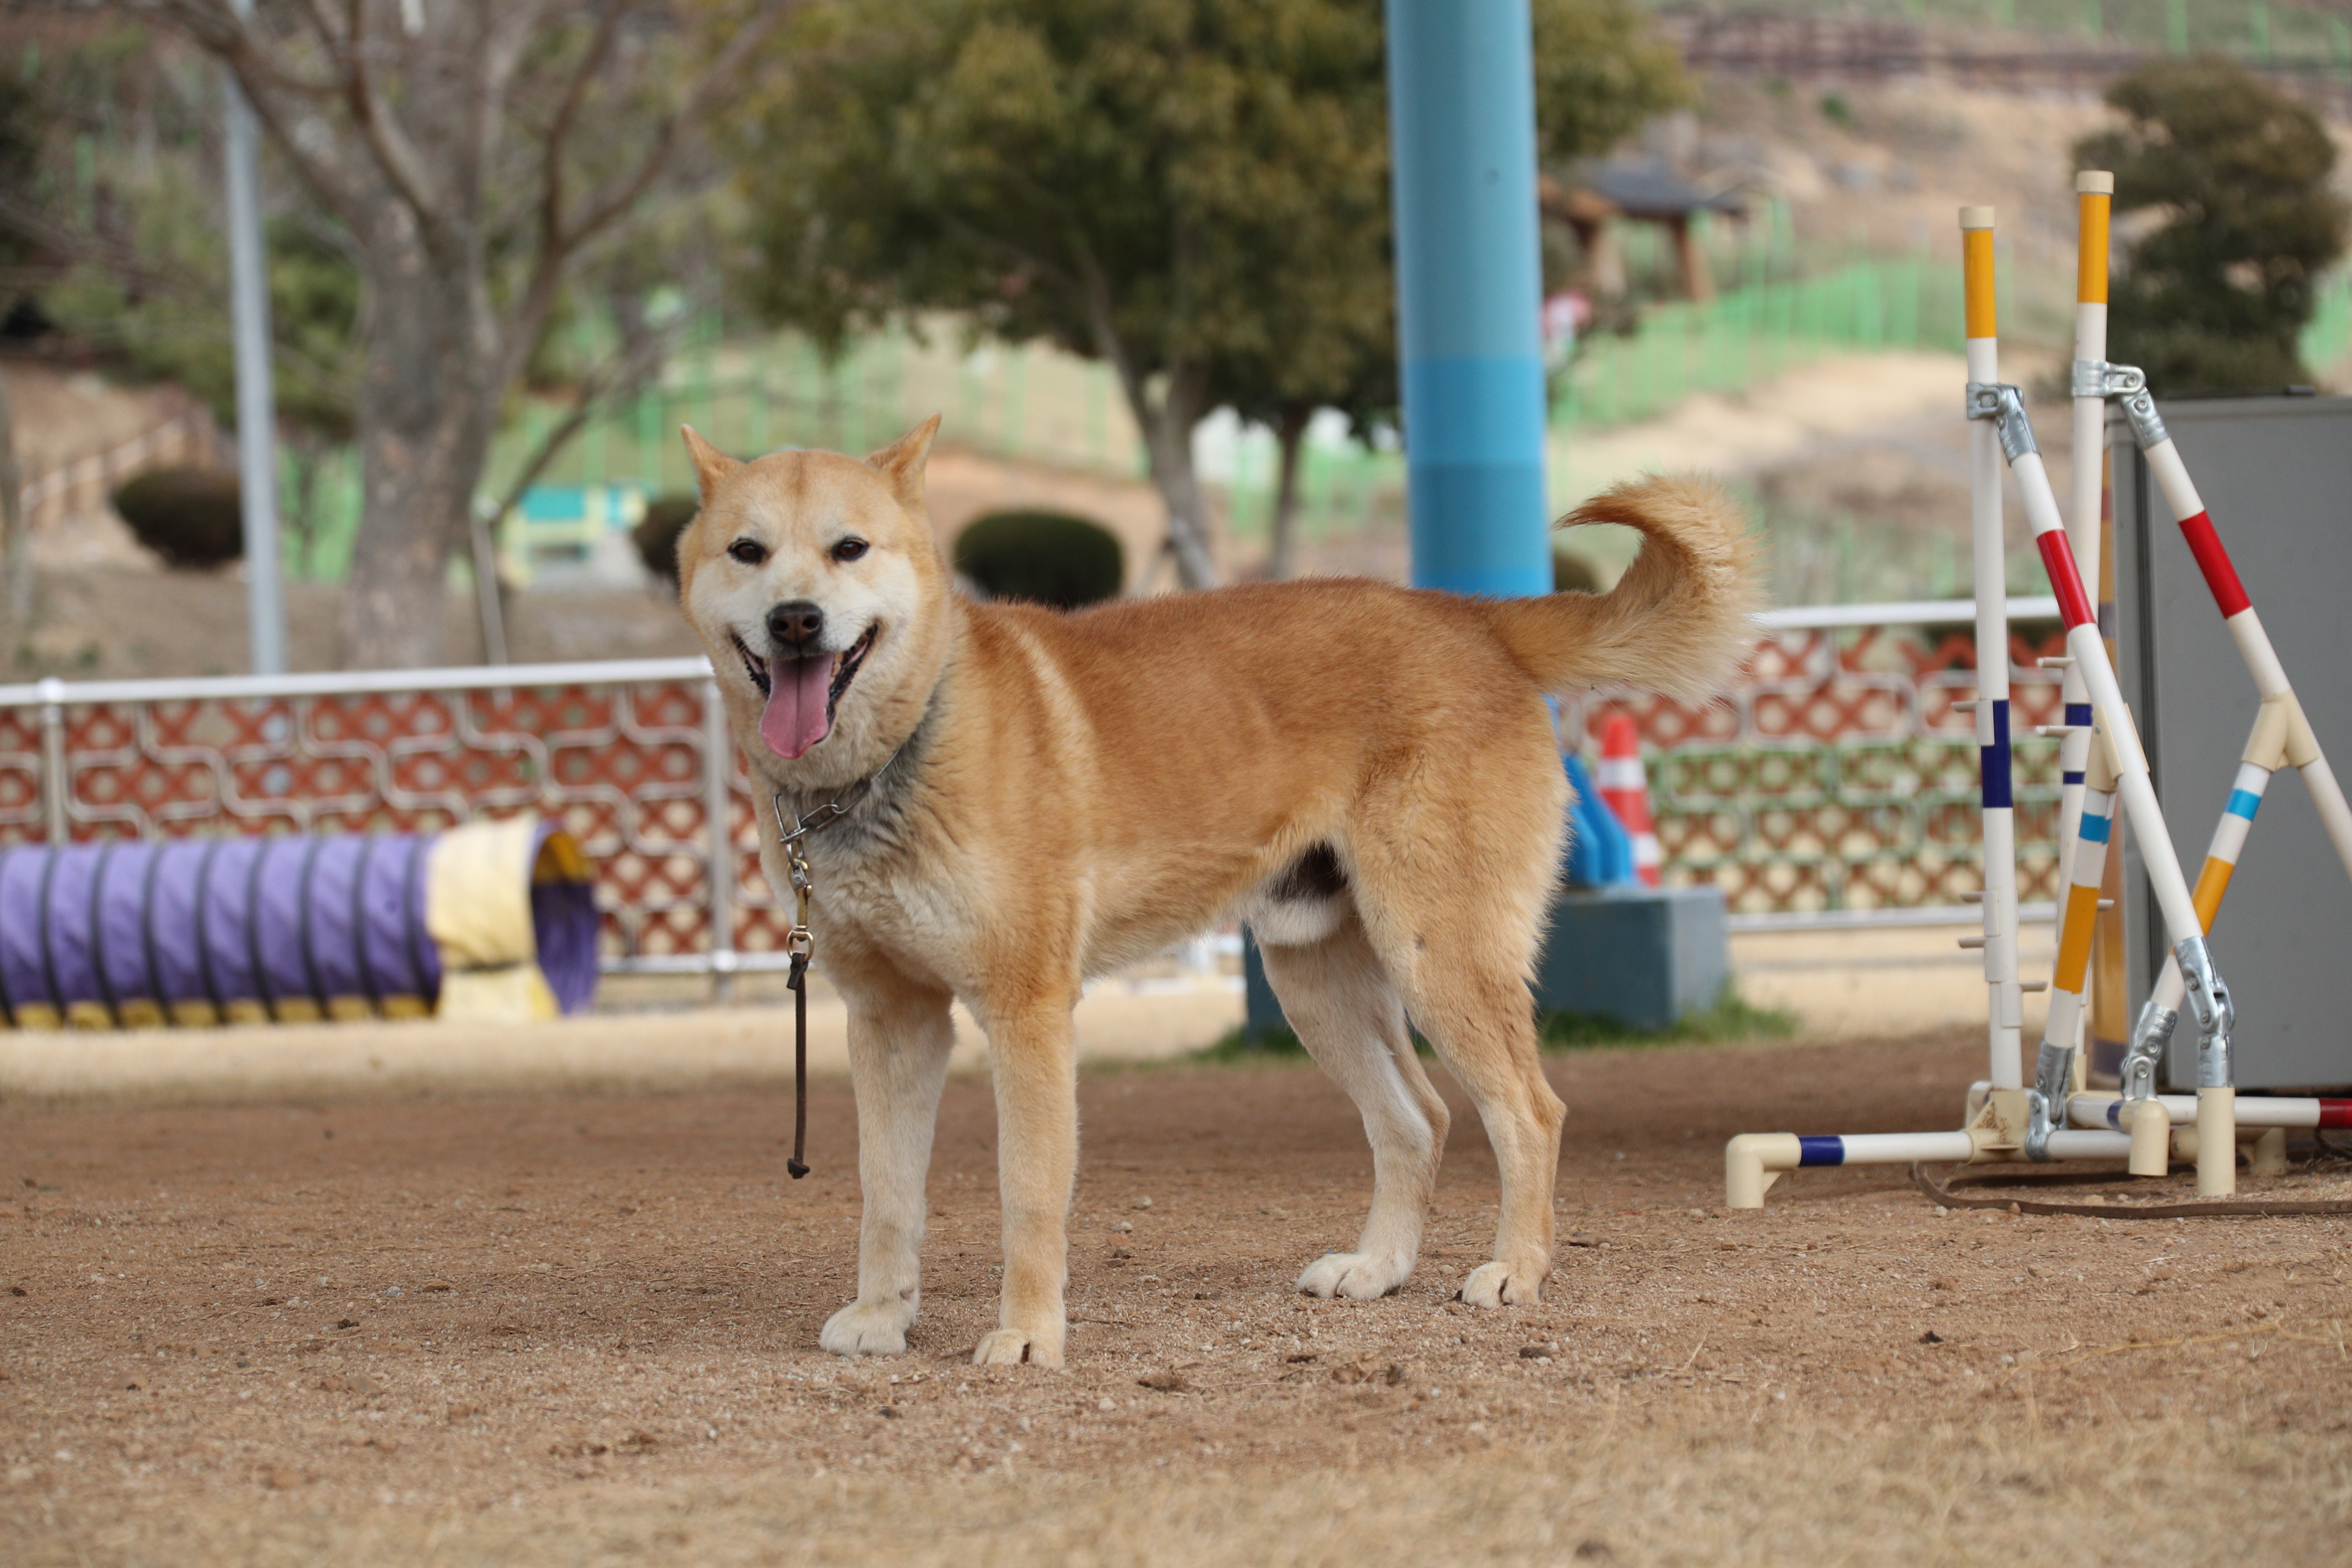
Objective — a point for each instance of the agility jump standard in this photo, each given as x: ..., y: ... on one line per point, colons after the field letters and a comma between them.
x: 2282, y: 736
x: 2011, y: 1121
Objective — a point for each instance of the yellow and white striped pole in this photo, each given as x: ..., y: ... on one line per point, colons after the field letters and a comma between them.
x: 2266, y: 752
x: 2006, y: 1010
x: 2002, y: 408
x: 2093, y: 195
x: 2078, y: 916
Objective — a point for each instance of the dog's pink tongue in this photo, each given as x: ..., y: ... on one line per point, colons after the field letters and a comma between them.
x: 796, y: 718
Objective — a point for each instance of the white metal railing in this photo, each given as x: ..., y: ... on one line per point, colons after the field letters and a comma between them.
x: 1901, y: 612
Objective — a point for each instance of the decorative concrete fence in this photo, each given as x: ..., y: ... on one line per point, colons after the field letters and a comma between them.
x: 1839, y: 776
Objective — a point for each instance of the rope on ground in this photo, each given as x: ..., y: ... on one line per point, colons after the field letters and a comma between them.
x: 1950, y: 1199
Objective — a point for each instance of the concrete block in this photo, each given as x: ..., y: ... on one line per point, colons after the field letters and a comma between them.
x: 1647, y: 957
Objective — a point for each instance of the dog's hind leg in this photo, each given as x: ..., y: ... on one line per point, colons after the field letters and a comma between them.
x: 1339, y: 998
x: 1467, y: 995
x: 900, y: 1037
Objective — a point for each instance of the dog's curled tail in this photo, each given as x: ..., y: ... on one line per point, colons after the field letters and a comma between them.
x: 1676, y: 621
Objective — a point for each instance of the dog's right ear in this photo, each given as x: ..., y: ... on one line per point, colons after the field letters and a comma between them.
x: 713, y: 467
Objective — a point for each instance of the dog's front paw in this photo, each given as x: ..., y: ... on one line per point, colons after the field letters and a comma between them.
x: 1357, y: 1276
x: 868, y: 1328
x: 1503, y: 1285
x: 1010, y: 1347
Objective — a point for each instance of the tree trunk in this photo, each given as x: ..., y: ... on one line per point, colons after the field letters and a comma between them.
x: 1167, y: 422
x: 1291, y: 437
x: 428, y: 405
x: 15, y: 529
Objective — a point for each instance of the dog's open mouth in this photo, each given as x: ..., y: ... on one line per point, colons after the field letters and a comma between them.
x: 802, y: 693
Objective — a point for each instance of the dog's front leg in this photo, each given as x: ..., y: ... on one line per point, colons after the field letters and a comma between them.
x: 1034, y: 1063
x: 899, y: 1041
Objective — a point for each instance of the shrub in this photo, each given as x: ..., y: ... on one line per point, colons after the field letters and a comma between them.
x: 656, y: 535
x: 2216, y: 298
x: 1047, y: 557
x: 192, y: 517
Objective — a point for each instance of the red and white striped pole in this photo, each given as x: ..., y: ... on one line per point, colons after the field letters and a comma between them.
x: 2002, y: 408
x: 1625, y: 785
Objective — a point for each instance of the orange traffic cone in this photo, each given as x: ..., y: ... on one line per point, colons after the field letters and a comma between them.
x: 1626, y: 787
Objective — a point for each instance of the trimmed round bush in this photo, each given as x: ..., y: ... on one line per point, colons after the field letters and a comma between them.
x: 656, y: 535
x: 192, y: 517
x: 1045, y: 557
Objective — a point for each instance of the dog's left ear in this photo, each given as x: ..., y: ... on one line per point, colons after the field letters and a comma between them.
x: 901, y: 462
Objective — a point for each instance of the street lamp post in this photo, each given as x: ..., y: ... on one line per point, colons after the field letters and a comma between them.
x: 257, y: 400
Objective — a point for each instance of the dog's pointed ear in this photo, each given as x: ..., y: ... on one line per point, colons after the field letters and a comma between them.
x: 901, y: 462
x: 711, y: 466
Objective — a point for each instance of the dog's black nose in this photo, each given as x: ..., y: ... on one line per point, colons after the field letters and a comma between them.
x: 792, y: 626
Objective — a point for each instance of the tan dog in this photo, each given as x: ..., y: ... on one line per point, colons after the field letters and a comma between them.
x: 1366, y: 774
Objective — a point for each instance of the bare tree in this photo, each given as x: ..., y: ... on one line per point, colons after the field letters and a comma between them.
x: 478, y: 152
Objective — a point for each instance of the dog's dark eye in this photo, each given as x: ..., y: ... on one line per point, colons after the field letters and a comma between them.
x: 750, y: 551
x: 849, y: 550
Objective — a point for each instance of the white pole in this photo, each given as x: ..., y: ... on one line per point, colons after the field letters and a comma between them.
x: 2006, y: 1006
x: 257, y: 400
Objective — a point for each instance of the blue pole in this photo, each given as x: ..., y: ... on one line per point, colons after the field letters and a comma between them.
x: 1463, y: 125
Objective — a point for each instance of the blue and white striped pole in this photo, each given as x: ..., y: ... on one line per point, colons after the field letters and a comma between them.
x: 1469, y: 285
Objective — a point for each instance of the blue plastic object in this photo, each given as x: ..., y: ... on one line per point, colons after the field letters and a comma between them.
x: 1599, y: 851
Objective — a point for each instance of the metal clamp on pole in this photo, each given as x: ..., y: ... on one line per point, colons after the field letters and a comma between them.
x: 2046, y: 1102
x: 2217, y: 1098
x: 2209, y: 999
x: 2151, y: 1035
x: 2147, y: 424
x: 2002, y: 403
x: 2099, y: 378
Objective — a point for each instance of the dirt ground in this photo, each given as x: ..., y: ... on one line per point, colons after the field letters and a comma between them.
x: 581, y: 1328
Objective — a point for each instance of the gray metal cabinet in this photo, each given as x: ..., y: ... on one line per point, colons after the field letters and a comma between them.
x: 2275, y: 472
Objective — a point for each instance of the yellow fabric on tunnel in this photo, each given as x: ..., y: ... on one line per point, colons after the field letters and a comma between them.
x: 478, y: 909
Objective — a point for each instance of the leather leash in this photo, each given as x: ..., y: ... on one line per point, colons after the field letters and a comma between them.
x: 799, y: 946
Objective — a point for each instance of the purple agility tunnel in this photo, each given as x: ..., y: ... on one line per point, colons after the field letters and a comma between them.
x: 200, y: 930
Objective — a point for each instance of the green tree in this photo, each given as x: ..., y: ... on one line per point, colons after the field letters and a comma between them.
x: 448, y: 184
x: 2216, y: 297
x: 1602, y: 69
x: 1194, y: 191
